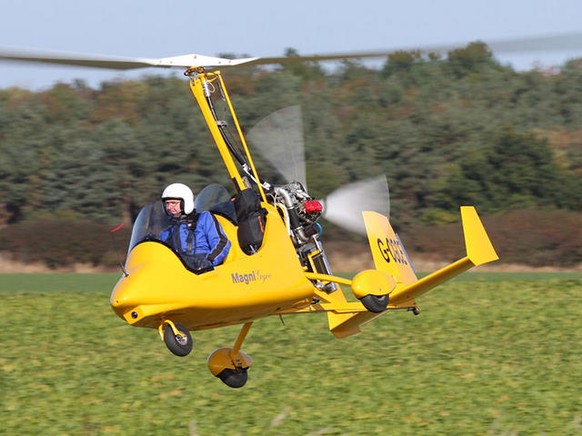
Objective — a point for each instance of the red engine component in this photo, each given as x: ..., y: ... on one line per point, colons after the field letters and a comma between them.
x: 313, y: 206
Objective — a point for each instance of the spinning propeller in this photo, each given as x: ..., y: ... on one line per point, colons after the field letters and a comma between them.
x: 279, y: 139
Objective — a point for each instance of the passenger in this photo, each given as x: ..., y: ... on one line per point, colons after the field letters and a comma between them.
x: 197, y: 237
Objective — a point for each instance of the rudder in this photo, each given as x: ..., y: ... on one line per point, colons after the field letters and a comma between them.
x: 388, y: 251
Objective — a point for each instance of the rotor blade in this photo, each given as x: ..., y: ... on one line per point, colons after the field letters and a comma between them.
x: 567, y: 41
x: 561, y: 42
x: 118, y: 63
x: 279, y: 139
x: 345, y: 205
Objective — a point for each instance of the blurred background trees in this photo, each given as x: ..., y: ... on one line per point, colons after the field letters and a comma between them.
x: 445, y: 132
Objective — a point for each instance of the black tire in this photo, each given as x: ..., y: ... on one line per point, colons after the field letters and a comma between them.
x: 234, y: 378
x: 375, y: 303
x: 179, y: 345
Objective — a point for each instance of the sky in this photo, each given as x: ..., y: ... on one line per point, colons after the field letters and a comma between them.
x: 156, y: 29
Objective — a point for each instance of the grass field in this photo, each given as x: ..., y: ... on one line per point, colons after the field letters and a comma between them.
x: 492, y: 354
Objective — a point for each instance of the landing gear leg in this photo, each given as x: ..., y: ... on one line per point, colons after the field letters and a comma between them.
x: 231, y: 365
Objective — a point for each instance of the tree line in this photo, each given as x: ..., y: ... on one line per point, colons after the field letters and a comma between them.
x: 463, y: 129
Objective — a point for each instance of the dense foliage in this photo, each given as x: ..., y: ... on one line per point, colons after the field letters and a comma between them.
x: 460, y: 130
x: 533, y: 237
x: 62, y: 242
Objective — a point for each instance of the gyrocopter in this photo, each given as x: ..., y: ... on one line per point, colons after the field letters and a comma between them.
x: 277, y: 264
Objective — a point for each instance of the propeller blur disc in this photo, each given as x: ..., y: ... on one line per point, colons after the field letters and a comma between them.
x: 345, y: 205
x: 279, y: 139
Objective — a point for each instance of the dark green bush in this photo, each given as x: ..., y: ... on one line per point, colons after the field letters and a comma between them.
x: 64, y: 242
x: 532, y: 237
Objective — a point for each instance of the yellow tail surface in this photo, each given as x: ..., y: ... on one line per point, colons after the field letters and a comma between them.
x: 479, y: 251
x: 387, y: 250
x: 390, y: 256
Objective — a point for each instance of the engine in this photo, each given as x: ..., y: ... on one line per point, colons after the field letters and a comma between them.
x: 301, y: 213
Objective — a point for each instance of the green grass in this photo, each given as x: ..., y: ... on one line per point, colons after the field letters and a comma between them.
x: 40, y: 283
x: 488, y: 355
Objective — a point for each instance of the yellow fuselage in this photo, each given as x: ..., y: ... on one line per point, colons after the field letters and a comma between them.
x: 243, y: 288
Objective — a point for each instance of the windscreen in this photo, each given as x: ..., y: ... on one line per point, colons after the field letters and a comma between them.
x: 150, y: 221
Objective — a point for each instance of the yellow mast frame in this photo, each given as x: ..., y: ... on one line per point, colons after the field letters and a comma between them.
x: 202, y: 87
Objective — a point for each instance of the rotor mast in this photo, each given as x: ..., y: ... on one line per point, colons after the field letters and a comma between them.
x: 201, y: 85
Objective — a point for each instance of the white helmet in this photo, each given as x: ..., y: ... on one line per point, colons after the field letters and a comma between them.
x: 179, y: 191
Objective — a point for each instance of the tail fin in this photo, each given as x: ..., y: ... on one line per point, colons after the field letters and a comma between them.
x: 477, y: 244
x: 387, y: 250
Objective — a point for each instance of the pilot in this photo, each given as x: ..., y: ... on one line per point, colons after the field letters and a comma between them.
x: 197, y: 237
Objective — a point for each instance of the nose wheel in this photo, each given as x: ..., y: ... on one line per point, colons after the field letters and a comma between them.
x: 231, y: 365
x: 176, y: 337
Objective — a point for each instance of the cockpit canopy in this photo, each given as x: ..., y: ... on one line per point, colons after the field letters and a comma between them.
x: 152, y: 219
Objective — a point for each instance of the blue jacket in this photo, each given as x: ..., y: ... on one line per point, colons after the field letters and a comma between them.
x: 207, y: 239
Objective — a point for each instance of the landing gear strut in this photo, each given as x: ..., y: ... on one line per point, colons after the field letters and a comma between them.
x: 231, y: 365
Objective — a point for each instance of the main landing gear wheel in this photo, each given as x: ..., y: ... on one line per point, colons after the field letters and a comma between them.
x: 375, y: 303
x: 179, y: 344
x: 234, y: 378
x: 230, y: 366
